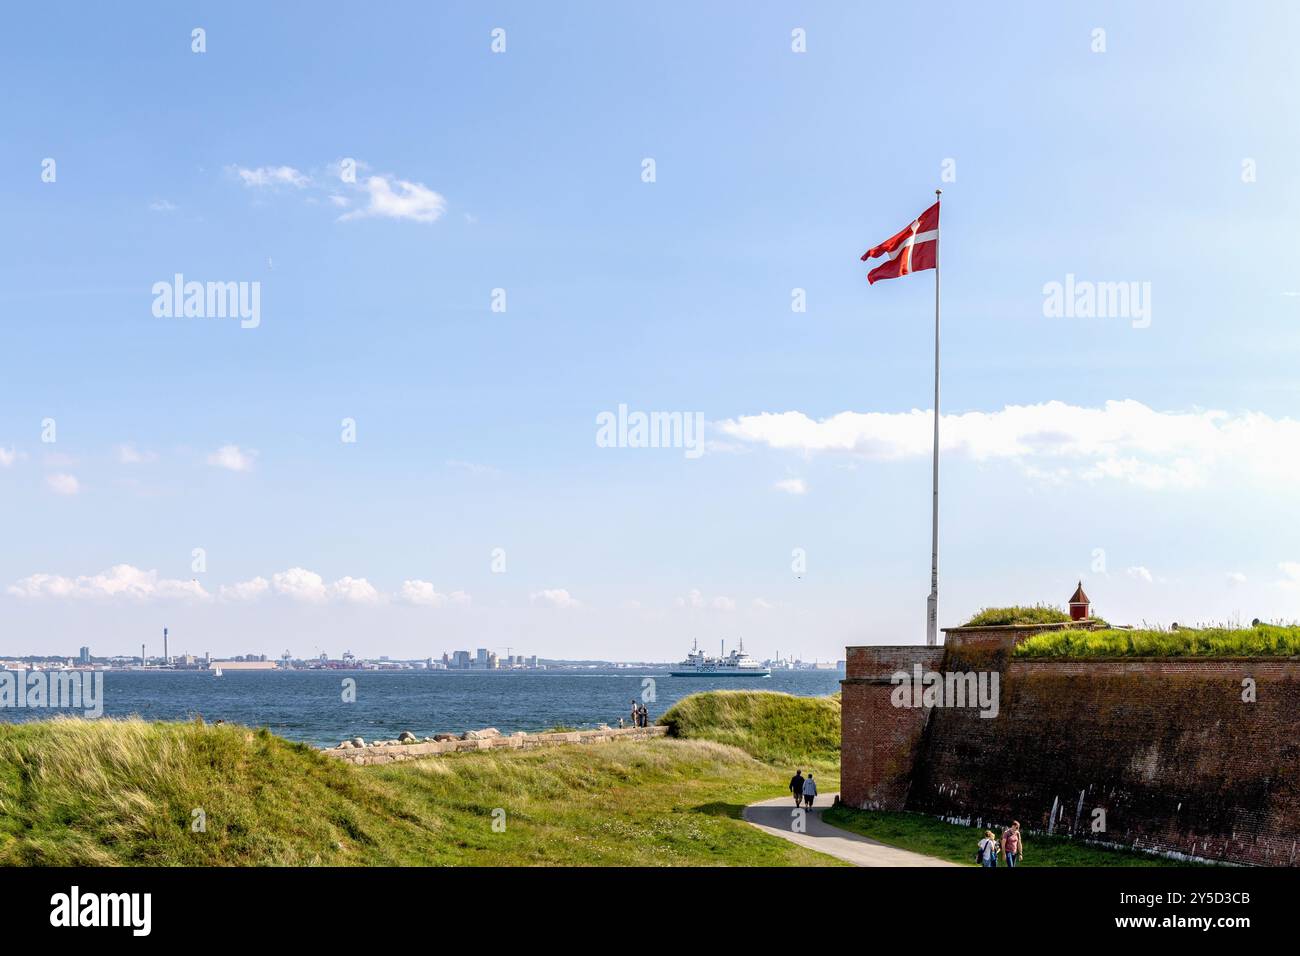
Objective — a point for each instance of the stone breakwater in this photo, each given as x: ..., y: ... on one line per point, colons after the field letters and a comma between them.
x: 409, y: 747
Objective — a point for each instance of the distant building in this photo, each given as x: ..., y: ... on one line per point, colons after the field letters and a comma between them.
x: 461, y: 660
x: 482, y: 659
x: 492, y: 662
x: 248, y: 664
x: 84, y: 655
x: 532, y: 661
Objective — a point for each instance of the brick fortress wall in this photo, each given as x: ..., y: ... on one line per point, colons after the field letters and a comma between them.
x: 1168, y: 749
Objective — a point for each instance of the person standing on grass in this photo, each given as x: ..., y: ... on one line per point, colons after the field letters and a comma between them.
x: 796, y: 786
x: 809, y: 790
x: 1013, y: 848
x: 988, y: 850
x: 636, y: 713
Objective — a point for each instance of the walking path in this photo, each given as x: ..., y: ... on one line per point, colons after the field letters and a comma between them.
x: 774, y: 817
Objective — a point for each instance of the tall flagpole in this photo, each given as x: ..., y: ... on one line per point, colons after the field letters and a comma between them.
x: 932, y: 605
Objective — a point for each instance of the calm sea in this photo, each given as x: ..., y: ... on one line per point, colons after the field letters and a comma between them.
x: 308, y: 705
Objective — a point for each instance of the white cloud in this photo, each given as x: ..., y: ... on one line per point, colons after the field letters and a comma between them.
x: 62, y: 484
x: 162, y: 205
x: 1235, y: 578
x: 7, y: 456
x: 554, y: 597
x: 382, y: 196
x: 299, y: 584
x: 413, y: 201
x: 1122, y: 440
x: 270, y: 176
x: 1291, y: 574
x: 128, y: 454
x: 762, y: 605
x: 424, y: 594
x: 696, y: 599
x: 1139, y: 573
x: 354, y: 591
x: 473, y: 468
x: 246, y: 590
x: 120, y: 581
x: 692, y: 599
x: 233, y: 458
x: 792, y: 486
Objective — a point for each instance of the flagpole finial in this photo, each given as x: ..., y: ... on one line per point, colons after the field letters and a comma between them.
x: 938, y: 192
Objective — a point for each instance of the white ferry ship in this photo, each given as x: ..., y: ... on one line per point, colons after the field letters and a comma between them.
x: 735, y: 664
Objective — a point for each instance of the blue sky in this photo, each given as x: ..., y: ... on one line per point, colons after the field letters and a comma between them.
x: 1168, y: 159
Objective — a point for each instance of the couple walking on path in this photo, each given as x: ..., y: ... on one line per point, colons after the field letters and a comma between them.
x: 1012, y: 847
x: 803, y: 788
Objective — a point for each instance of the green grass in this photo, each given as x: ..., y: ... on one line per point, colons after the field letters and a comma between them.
x: 1262, y: 640
x: 650, y: 803
x: 122, y: 792
x: 947, y: 841
x: 779, y: 729
x: 1038, y: 614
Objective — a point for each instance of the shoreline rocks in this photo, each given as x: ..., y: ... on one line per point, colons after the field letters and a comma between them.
x: 489, y: 738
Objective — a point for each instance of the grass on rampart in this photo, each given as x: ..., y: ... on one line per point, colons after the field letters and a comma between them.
x: 1002, y: 616
x: 1262, y: 640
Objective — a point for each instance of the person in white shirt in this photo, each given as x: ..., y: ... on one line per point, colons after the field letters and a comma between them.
x: 809, y: 790
x: 988, y: 850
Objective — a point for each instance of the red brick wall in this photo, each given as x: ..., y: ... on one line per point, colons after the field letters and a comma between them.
x: 879, y: 743
x: 1167, y: 748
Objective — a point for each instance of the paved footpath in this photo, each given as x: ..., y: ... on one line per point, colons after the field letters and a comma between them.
x: 773, y: 816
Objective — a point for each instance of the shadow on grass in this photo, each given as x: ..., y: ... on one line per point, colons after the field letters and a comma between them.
x: 719, y: 809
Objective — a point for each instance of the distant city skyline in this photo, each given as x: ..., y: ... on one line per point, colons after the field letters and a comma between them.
x: 484, y: 353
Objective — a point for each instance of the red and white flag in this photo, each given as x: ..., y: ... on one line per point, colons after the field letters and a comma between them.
x: 914, y: 249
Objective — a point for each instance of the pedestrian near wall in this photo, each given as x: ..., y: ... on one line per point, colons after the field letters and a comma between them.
x: 809, y: 790
x: 1013, y: 847
x: 987, y: 855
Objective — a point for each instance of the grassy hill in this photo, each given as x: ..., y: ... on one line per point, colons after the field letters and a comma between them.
x: 775, y: 728
x: 124, y: 792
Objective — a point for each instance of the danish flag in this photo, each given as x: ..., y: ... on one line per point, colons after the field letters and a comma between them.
x: 914, y: 249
